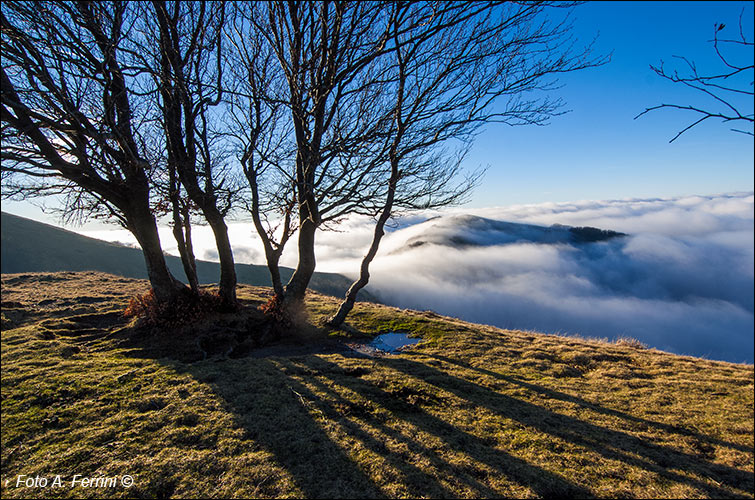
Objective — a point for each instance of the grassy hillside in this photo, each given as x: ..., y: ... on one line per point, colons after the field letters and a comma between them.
x: 471, y: 411
x: 30, y: 246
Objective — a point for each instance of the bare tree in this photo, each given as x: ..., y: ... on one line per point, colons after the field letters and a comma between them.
x: 327, y: 53
x: 257, y: 124
x: 455, y: 70
x: 173, y: 201
x: 378, y: 101
x: 73, y: 121
x: 730, y: 89
x: 188, y: 50
x: 308, y: 86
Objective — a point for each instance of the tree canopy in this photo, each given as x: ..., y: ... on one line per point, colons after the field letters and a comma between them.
x: 296, y: 113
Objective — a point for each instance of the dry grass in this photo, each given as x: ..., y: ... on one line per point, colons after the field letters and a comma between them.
x: 473, y: 411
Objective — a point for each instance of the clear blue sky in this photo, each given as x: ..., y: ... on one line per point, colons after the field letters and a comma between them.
x: 598, y: 151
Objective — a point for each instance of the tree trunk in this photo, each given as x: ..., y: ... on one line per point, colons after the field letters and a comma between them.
x: 144, y: 228
x: 272, y: 255
x: 297, y: 285
x: 364, y: 277
x: 275, y: 273
x: 190, y: 246
x: 181, y: 223
x: 227, y: 286
x: 187, y: 257
x: 364, y: 272
x: 180, y: 114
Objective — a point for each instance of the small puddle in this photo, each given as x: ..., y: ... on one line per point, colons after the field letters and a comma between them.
x: 393, y: 342
x: 387, y: 343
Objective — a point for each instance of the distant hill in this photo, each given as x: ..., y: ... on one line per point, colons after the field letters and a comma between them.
x: 461, y: 231
x: 31, y: 246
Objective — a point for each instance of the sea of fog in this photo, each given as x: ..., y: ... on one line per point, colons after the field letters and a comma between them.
x: 681, y: 280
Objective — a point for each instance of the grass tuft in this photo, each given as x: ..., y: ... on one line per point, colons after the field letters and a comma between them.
x: 630, y: 342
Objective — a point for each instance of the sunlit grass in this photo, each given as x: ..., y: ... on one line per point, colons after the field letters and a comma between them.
x: 472, y: 411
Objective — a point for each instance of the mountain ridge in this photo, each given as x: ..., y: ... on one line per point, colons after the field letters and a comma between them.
x: 31, y: 246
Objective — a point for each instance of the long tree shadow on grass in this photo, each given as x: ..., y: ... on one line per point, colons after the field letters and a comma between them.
x: 334, y: 445
x: 609, y: 443
x: 339, y: 433
x: 553, y: 394
x: 337, y: 446
x: 267, y: 407
x: 370, y: 431
x: 404, y: 423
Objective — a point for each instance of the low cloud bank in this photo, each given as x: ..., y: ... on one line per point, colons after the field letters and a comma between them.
x: 681, y: 280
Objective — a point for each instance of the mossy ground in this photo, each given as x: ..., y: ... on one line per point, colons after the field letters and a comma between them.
x: 472, y: 411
